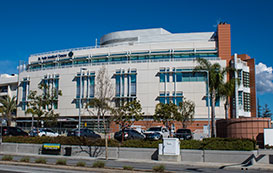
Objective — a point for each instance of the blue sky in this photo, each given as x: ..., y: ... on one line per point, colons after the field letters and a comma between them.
x: 28, y: 27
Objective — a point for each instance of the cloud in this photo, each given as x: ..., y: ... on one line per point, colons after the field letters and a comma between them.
x: 264, y: 78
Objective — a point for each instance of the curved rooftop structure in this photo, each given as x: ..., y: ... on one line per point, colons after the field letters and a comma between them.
x: 155, y: 35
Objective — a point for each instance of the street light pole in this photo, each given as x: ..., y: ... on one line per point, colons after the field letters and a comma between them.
x: 208, y: 98
x: 80, y: 100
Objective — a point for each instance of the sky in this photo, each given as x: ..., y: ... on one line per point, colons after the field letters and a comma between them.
x: 35, y: 26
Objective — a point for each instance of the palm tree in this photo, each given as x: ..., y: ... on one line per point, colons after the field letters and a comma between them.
x: 226, y: 91
x: 216, y: 79
x: 8, y: 108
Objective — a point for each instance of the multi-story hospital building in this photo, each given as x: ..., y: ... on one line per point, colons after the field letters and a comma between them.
x: 150, y: 65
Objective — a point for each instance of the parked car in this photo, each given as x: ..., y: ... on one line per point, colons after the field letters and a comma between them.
x: 84, y: 132
x: 128, y: 134
x: 13, y: 131
x: 47, y: 132
x: 153, y: 136
x: 184, y: 134
x: 164, y: 132
x: 33, y: 132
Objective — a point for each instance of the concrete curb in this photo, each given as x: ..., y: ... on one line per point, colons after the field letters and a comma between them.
x: 225, y: 166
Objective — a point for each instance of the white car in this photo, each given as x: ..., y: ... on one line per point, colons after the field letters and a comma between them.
x: 162, y: 130
x: 47, y: 132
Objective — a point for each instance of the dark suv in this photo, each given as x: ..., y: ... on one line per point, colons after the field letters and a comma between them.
x: 13, y: 131
x: 184, y: 134
x: 84, y: 132
x: 128, y: 134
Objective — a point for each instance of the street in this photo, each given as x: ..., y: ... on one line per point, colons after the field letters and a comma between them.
x: 142, y: 166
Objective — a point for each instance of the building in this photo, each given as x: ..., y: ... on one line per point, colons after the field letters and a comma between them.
x: 150, y: 65
x: 8, y: 86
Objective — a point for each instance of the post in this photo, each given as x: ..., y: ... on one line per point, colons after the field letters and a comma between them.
x: 80, y: 101
x: 208, y: 98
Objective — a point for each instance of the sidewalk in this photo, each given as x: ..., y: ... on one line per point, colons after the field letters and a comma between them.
x: 226, y: 166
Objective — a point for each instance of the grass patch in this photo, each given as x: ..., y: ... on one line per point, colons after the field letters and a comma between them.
x: 61, y: 162
x: 40, y: 160
x: 159, y: 168
x: 98, y: 164
x: 25, y: 159
x: 81, y: 164
x: 7, y: 158
x: 128, y: 168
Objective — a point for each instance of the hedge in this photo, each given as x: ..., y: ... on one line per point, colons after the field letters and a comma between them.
x: 206, y: 144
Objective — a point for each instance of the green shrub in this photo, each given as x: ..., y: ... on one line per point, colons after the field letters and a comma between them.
x: 128, y: 168
x: 81, y: 163
x: 40, y: 160
x: 25, y: 159
x: 61, y: 162
x: 159, y: 168
x: 7, y: 158
x: 206, y: 144
x: 98, y: 164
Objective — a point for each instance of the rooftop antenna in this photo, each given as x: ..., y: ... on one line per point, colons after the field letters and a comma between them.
x: 96, y: 43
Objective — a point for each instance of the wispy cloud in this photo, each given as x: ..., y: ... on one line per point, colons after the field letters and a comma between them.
x: 264, y: 78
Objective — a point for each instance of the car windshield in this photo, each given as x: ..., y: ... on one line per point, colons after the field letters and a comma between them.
x: 154, y: 129
x: 183, y: 131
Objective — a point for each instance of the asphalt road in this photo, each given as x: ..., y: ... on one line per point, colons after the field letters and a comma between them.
x: 119, y: 164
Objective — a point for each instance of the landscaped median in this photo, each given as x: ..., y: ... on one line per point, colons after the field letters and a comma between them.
x: 206, y: 144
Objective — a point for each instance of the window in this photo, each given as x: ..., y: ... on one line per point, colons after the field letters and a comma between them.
x: 245, y: 79
x: 176, y: 98
x: 217, y: 101
x: 117, y: 85
x: 162, y: 77
x: 78, y: 87
x: 240, y: 98
x: 51, y: 83
x: 247, y: 102
x: 92, y: 85
x: 133, y: 85
x: 25, y: 88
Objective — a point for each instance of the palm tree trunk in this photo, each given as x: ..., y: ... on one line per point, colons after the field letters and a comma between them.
x: 213, y: 95
x: 8, y: 119
x: 226, y: 108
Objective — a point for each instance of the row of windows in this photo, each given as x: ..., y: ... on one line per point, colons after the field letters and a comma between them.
x: 87, y: 84
x: 84, y: 60
x: 176, y: 98
x: 123, y: 79
x: 245, y: 79
x: 182, y: 77
x: 247, y: 102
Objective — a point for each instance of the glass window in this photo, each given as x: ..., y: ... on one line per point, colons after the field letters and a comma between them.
x: 133, y: 85
x: 117, y: 85
x: 162, y: 77
x: 78, y: 87
x: 178, y: 77
x: 92, y: 86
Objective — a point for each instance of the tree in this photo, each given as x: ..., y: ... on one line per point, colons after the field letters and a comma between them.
x: 101, y: 104
x: 166, y: 113
x: 127, y: 114
x: 216, y: 79
x: 186, y: 110
x: 227, y: 90
x: 266, y: 111
x: 8, y: 108
x: 42, y: 105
